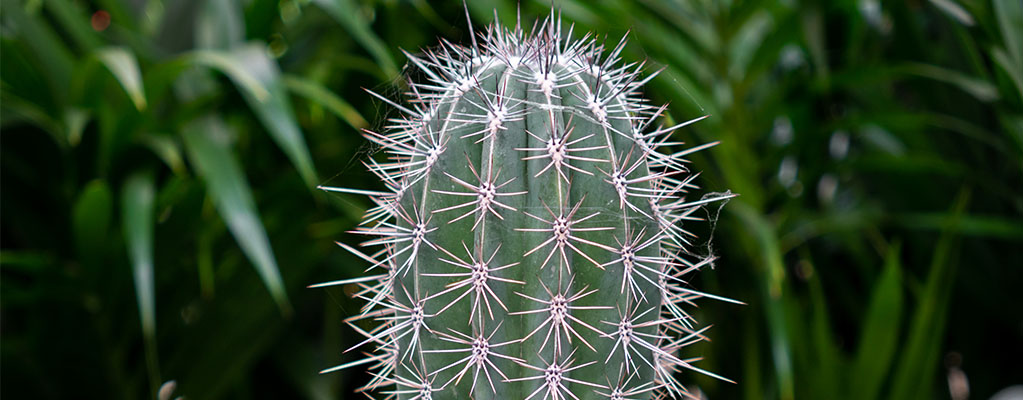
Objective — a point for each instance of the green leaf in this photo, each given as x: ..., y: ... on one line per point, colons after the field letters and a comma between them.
x: 347, y: 13
x: 747, y: 40
x: 137, y: 198
x: 207, y: 142
x: 74, y: 21
x: 122, y: 64
x: 91, y: 222
x: 980, y: 89
x: 954, y: 10
x: 773, y: 290
x: 50, y: 51
x: 219, y: 25
x: 966, y: 225
x: 167, y: 149
x: 878, y: 338
x: 827, y: 362
x: 919, y: 360
x: 258, y: 79
x: 320, y: 95
x: 1012, y: 70
x: 1010, y: 22
x: 75, y: 120
x: 137, y: 217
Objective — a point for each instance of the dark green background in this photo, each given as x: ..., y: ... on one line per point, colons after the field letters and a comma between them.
x: 877, y: 271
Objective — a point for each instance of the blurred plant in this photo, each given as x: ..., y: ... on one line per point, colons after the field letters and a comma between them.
x: 126, y: 97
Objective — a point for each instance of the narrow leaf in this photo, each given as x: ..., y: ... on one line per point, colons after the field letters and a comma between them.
x: 207, y: 143
x: 954, y: 10
x: 347, y: 14
x: 980, y: 89
x: 1010, y: 22
x: 258, y: 79
x: 773, y: 280
x: 167, y: 149
x: 878, y: 339
x: 1001, y: 58
x: 122, y: 64
x: 91, y: 221
x: 827, y: 360
x: 137, y: 198
x: 73, y: 19
x: 219, y: 25
x: 137, y: 217
x: 320, y: 95
x: 918, y: 362
x: 75, y: 120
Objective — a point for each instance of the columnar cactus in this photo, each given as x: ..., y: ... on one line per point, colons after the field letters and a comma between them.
x: 530, y: 244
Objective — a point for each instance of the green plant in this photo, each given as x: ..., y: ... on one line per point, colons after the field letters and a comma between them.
x: 532, y: 242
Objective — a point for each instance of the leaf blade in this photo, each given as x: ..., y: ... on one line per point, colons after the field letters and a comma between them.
x: 324, y: 97
x: 919, y: 360
x: 137, y: 199
x: 206, y: 141
x: 259, y: 80
x: 122, y: 64
x: 878, y: 339
x: 346, y: 13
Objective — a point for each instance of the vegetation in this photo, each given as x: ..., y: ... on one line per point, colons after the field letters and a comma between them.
x: 160, y: 218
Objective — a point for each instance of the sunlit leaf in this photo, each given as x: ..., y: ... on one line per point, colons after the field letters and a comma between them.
x: 208, y: 143
x: 167, y: 149
x: 954, y: 10
x: 122, y: 64
x: 75, y: 120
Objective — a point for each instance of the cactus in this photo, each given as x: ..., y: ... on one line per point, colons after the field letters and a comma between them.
x: 530, y: 244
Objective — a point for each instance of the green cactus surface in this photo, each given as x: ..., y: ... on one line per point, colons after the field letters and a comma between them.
x: 531, y: 242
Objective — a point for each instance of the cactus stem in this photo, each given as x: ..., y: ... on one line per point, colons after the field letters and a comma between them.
x: 526, y: 149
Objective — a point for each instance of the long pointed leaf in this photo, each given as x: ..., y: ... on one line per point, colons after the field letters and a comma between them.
x: 320, y: 95
x: 914, y: 376
x: 347, y: 14
x: 137, y: 197
x: 773, y: 281
x: 1010, y: 21
x: 209, y: 150
x: 90, y: 221
x: 258, y: 79
x: 122, y: 64
x: 880, y: 333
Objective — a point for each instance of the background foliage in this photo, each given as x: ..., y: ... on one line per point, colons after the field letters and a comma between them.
x: 160, y: 219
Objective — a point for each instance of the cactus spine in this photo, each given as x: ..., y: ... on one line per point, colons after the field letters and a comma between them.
x: 530, y: 244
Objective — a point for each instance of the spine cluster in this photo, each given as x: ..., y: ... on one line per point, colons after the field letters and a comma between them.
x: 530, y: 242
